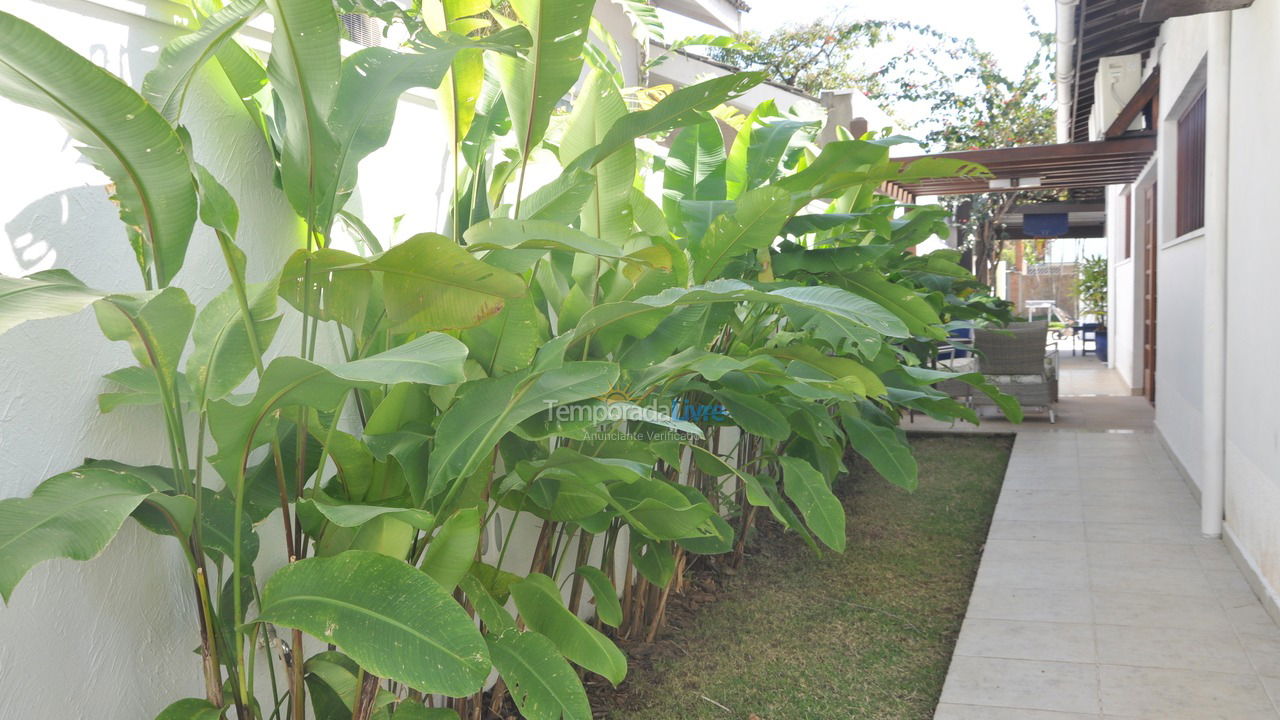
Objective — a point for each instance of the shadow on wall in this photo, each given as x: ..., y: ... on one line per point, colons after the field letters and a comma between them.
x: 75, y: 221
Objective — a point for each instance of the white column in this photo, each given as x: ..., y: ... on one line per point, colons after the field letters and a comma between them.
x: 1217, y: 145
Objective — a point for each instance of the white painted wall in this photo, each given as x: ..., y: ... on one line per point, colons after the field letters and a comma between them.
x: 1253, y: 344
x: 1182, y: 48
x: 1120, y: 285
x: 1127, y: 275
x: 111, y: 638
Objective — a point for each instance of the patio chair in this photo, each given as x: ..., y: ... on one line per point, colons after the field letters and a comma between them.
x: 1017, y: 362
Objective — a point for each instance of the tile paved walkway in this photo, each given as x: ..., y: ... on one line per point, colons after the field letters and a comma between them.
x: 1098, y: 598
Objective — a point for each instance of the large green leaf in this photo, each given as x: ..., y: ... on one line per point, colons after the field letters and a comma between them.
x: 542, y: 608
x: 542, y: 684
x: 121, y: 133
x: 156, y: 326
x: 534, y: 84
x: 305, y: 71
x: 536, y: 234
x: 886, y: 447
x: 607, y: 214
x: 754, y: 224
x: 608, y: 608
x: 430, y: 283
x: 72, y: 515
x: 560, y: 200
x: 350, y: 515
x: 488, y: 409
x: 372, y: 82
x: 390, y: 618
x: 223, y: 354
x: 822, y: 510
x: 657, y: 510
x: 695, y: 169
x: 756, y: 415
x: 452, y: 550
x: 682, y: 107
x: 488, y: 608
x: 1007, y: 403
x: 508, y: 341
x: 900, y: 299
x: 238, y: 427
x: 334, y: 681
x: 641, y: 316
x: 166, y: 86
x: 465, y: 79
x: 191, y: 709
x: 41, y: 295
x: 332, y: 284
x: 757, y: 151
x: 840, y: 165
x: 823, y: 260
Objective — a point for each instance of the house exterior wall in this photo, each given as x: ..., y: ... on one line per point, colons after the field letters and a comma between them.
x: 1253, y: 342
x: 1182, y: 48
x: 112, y: 638
x: 1252, y: 394
x: 1122, y: 317
x: 121, y: 628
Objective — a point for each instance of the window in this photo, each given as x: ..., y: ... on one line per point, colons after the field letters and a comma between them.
x: 1191, y: 165
x: 363, y: 29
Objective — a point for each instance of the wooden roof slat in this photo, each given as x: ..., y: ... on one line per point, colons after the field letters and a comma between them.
x: 1063, y: 166
x: 1105, y: 28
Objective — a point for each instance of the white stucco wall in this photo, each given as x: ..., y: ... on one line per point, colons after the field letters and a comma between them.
x: 1182, y: 48
x: 112, y: 638
x: 1253, y: 341
x: 1127, y: 312
x: 1252, y: 457
x: 1120, y: 316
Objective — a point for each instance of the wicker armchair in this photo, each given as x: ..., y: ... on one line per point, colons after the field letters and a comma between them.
x: 1015, y: 360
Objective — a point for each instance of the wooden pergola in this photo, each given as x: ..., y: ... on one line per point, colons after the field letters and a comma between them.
x: 1066, y: 166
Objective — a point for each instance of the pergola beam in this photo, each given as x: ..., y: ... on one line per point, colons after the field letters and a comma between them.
x: 1062, y: 166
x: 1159, y: 10
x: 1148, y: 95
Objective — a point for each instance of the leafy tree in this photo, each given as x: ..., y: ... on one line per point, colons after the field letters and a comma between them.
x: 947, y: 89
x: 814, y: 56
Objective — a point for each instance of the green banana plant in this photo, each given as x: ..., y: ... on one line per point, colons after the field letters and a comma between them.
x: 624, y: 380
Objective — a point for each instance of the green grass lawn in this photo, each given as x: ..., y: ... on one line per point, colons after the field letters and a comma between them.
x: 867, y: 634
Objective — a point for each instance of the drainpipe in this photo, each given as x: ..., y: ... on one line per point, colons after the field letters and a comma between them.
x: 1065, y: 72
x: 1217, y: 236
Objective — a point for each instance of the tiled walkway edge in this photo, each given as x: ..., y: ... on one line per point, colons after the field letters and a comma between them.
x: 1097, y: 597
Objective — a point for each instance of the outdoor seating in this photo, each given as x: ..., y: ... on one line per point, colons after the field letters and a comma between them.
x: 1015, y: 359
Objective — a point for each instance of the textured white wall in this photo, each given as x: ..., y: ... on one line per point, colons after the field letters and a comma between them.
x: 1127, y: 313
x: 1180, y: 361
x: 1120, y: 315
x: 1253, y: 342
x: 112, y: 638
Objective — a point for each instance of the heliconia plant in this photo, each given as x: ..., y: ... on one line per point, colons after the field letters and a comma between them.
x: 629, y: 379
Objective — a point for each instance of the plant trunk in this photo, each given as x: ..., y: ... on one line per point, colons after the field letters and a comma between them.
x: 296, y: 686
x: 365, y: 697
x: 585, y: 540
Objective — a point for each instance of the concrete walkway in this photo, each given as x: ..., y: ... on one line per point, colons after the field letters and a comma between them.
x: 1098, y: 598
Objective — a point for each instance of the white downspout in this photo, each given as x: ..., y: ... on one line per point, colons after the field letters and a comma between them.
x: 1217, y: 236
x: 1064, y: 74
